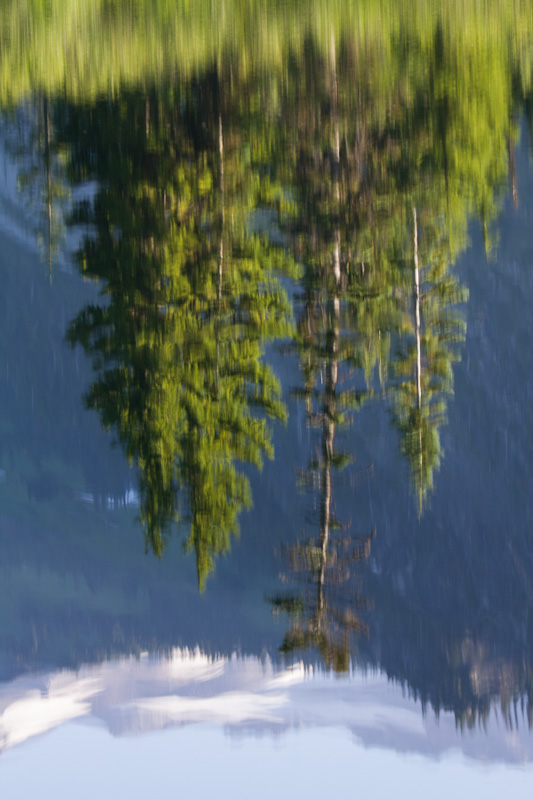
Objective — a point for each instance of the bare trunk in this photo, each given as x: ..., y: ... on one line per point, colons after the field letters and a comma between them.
x: 417, y: 313
x: 418, y: 335
x: 328, y: 434
x: 336, y: 156
x: 222, y: 214
x: 332, y: 334
x: 512, y: 171
x: 221, y: 246
x: 48, y: 181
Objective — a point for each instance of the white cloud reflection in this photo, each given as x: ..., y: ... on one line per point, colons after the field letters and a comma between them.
x: 245, y: 695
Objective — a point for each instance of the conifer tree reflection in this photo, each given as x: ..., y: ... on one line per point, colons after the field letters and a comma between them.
x: 189, y: 301
x: 432, y: 330
x: 334, y: 343
x: 326, y: 613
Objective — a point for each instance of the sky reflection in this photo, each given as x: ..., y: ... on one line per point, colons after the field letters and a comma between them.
x: 245, y: 696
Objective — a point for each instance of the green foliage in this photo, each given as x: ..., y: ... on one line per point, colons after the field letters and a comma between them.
x: 190, y: 299
x: 323, y: 131
x: 86, y: 48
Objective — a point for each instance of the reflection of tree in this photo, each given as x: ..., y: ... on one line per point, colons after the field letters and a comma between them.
x: 425, y: 169
x: 432, y: 136
x: 333, y: 341
x: 325, y: 614
x: 387, y: 144
x: 381, y: 167
x: 424, y: 366
x: 41, y: 178
x: 190, y: 299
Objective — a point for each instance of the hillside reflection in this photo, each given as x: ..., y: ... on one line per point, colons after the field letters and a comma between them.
x: 274, y: 222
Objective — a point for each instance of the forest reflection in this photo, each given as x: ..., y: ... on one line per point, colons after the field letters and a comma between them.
x: 342, y: 166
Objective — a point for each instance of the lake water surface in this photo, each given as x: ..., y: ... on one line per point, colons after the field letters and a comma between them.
x: 266, y: 392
